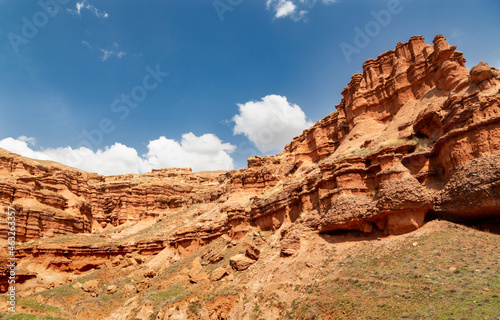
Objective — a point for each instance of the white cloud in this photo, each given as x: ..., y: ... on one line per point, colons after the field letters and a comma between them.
x: 270, y: 123
x: 113, y: 51
x: 86, y: 44
x: 203, y: 153
x: 87, y: 6
x: 284, y: 8
x: 281, y: 8
x: 294, y: 9
x: 206, y: 152
x: 29, y: 140
x: 107, y: 53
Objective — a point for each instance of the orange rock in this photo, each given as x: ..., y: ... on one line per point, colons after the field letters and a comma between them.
x: 218, y: 274
x: 90, y: 286
x: 196, y: 268
x: 240, y: 262
x: 111, y: 289
x: 290, y: 242
x: 199, y: 277
x: 251, y: 250
x: 480, y: 72
x: 143, y: 285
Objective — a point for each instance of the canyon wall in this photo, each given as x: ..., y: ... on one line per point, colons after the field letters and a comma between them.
x: 416, y: 134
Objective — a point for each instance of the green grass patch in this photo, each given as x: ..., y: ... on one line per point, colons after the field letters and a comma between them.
x: 194, y: 307
x: 32, y: 304
x: 61, y: 291
x: 28, y: 317
x: 173, y: 293
x: 277, y: 188
x: 419, y: 142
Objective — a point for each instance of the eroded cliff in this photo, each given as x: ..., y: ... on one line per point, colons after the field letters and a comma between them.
x: 415, y: 137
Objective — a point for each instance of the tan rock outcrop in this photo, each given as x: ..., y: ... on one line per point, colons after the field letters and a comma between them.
x: 91, y: 286
x: 218, y: 274
x: 251, y: 250
x: 111, y: 289
x: 240, y: 262
x: 290, y: 242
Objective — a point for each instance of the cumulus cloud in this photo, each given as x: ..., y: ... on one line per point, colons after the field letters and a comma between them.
x: 284, y: 8
x: 85, y: 5
x: 206, y: 152
x: 294, y: 9
x: 203, y: 153
x: 270, y: 123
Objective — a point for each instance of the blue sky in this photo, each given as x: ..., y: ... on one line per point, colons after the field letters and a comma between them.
x: 126, y: 86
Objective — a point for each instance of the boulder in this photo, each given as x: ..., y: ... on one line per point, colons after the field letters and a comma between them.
x: 143, y: 285
x: 199, y: 277
x: 251, y: 250
x: 128, y: 288
x: 111, y: 289
x: 149, y: 274
x: 480, y: 72
x: 91, y: 286
x: 218, y: 274
x: 240, y: 262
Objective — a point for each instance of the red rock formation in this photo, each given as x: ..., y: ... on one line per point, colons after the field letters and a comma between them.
x: 417, y: 96
x: 405, y: 132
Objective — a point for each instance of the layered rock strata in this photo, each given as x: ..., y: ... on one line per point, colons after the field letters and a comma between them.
x: 415, y: 133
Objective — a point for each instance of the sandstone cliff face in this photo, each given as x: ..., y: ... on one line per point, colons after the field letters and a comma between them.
x: 47, y: 197
x: 414, y: 118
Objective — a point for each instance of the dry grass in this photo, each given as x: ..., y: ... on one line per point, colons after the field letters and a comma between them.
x: 420, y: 143
x: 450, y: 274
x: 442, y: 271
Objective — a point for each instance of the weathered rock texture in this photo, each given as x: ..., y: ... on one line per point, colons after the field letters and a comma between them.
x: 415, y: 135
